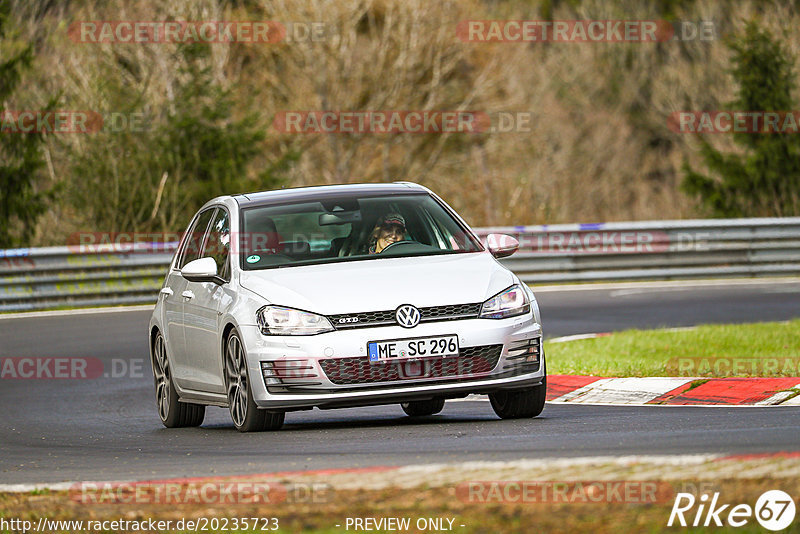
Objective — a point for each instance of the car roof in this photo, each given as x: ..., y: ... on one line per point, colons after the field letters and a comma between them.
x: 299, y: 194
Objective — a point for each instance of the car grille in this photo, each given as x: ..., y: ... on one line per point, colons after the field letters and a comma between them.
x: 381, y: 318
x: 470, y: 361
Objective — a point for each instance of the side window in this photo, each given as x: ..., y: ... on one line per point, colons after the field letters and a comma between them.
x: 194, y: 241
x: 218, y: 243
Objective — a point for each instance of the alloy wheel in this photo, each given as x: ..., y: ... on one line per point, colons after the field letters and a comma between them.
x: 236, y: 380
x: 162, y: 372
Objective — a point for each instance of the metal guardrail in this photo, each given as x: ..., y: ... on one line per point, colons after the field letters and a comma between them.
x: 655, y: 250
x: 98, y: 275
x: 56, y: 277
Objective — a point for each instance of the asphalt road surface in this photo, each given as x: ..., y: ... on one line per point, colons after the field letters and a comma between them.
x: 107, y: 428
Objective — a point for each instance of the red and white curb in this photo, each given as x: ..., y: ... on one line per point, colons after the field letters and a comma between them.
x: 732, y: 391
x: 684, y: 391
x: 619, y: 390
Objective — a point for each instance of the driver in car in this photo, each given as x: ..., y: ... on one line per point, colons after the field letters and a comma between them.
x: 390, y: 229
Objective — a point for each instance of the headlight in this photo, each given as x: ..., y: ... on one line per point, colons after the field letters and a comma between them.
x: 508, y: 303
x: 281, y: 321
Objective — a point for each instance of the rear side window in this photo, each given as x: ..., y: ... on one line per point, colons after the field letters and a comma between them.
x: 193, y: 243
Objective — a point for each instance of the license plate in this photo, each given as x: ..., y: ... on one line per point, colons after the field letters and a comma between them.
x: 423, y: 347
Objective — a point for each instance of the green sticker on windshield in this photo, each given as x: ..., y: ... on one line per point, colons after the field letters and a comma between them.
x: 253, y: 259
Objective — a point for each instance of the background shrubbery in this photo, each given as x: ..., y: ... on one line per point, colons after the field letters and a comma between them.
x: 599, y: 148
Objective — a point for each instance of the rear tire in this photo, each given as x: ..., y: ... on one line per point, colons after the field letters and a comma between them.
x: 173, y: 413
x: 420, y: 408
x: 246, y: 415
x: 520, y: 404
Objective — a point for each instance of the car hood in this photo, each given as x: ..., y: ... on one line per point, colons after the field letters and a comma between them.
x: 381, y: 284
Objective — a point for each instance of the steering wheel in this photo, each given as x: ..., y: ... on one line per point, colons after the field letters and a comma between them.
x: 404, y: 242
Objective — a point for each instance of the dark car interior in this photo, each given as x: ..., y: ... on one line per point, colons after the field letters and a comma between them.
x: 338, y: 228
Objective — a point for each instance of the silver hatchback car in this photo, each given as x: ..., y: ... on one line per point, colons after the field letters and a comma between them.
x: 341, y: 296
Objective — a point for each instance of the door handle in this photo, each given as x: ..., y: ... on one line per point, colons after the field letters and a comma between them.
x: 187, y: 294
x: 166, y: 291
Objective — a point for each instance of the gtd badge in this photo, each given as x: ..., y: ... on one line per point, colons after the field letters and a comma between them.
x: 407, y: 316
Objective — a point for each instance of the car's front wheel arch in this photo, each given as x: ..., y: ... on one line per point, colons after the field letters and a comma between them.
x: 226, y: 333
x: 154, y: 331
x: 246, y: 415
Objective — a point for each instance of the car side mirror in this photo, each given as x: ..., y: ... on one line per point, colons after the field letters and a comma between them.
x: 200, y: 270
x: 501, y: 245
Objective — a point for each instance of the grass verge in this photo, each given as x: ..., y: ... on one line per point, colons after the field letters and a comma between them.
x: 414, y: 504
x: 748, y: 350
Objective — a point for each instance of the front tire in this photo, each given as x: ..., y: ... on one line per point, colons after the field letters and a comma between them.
x: 420, y: 408
x: 244, y: 412
x: 173, y: 413
x: 520, y: 404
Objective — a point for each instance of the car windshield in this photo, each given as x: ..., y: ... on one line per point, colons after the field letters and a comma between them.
x: 350, y: 228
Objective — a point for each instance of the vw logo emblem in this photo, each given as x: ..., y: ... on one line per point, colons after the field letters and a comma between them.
x: 407, y: 316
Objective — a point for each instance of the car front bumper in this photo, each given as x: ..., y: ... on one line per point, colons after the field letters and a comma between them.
x: 299, y: 373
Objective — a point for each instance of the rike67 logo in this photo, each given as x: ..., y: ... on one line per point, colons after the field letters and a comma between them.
x: 774, y: 510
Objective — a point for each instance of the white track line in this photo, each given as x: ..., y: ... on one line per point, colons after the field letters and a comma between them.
x: 78, y: 311
x: 664, y: 284
x: 629, y: 405
x: 25, y: 488
x: 576, y: 337
x: 791, y: 402
x: 777, y: 398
